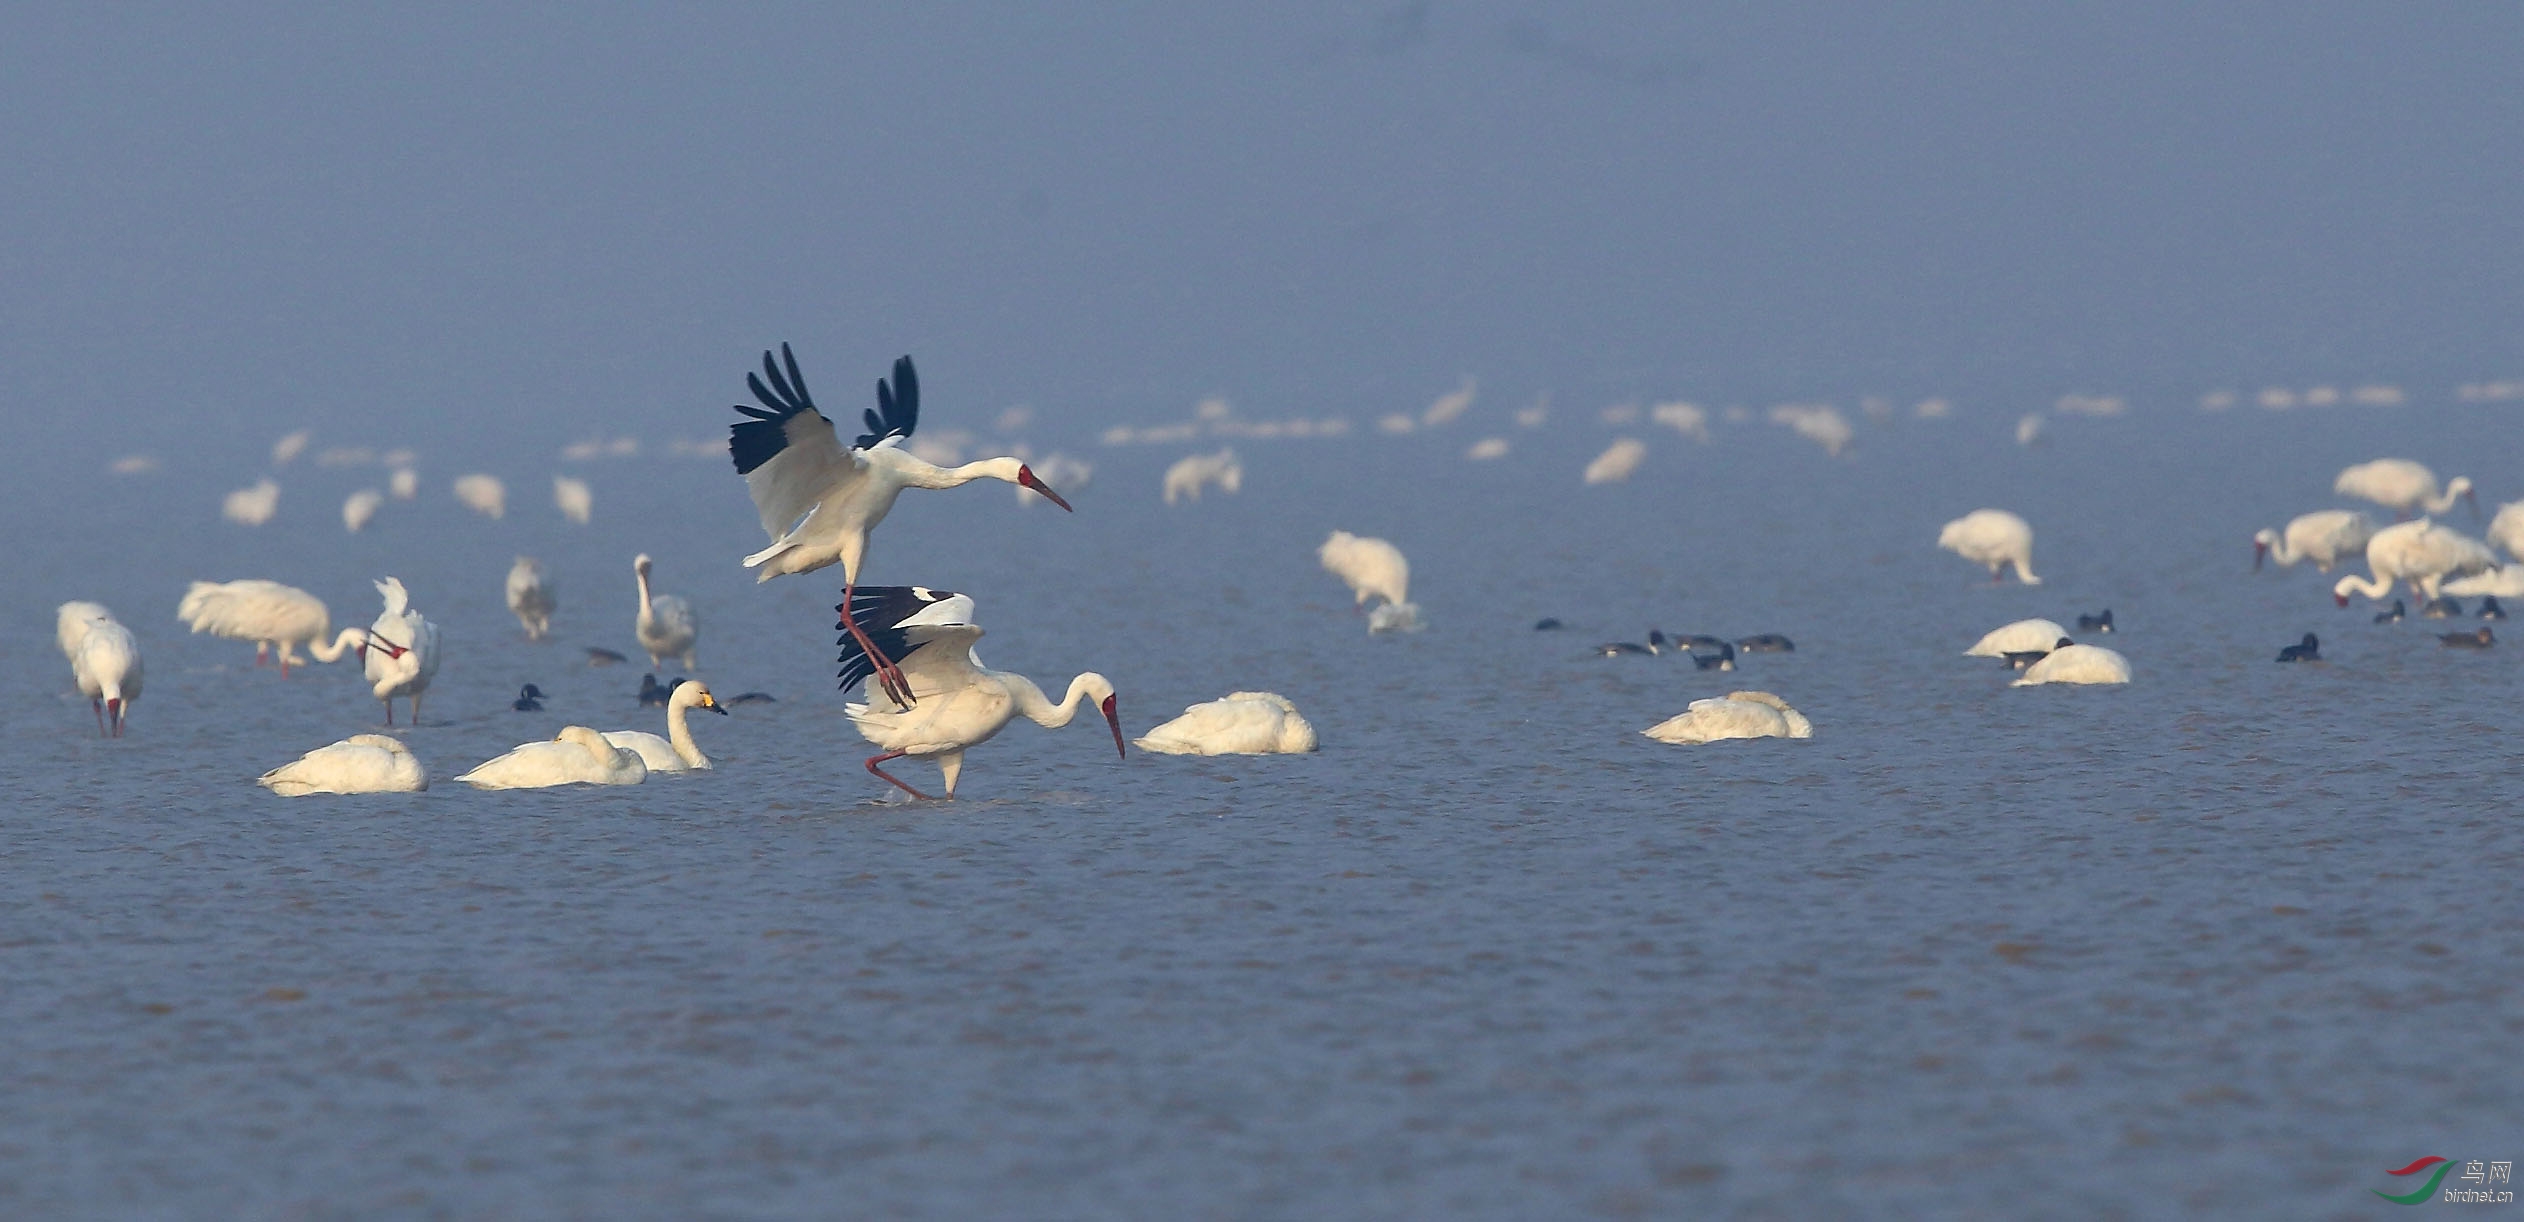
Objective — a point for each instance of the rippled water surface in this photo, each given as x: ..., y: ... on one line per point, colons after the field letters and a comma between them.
x: 2235, y: 938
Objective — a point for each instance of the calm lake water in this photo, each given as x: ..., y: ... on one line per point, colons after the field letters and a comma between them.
x: 2234, y: 939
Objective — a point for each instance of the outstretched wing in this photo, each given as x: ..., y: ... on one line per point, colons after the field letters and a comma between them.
x: 897, y: 407
x: 928, y: 633
x: 786, y: 451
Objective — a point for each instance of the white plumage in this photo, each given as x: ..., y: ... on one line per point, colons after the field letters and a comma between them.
x: 676, y: 752
x: 2323, y: 536
x: 359, y: 507
x: 2507, y: 529
x: 667, y: 625
x: 408, y: 659
x: 958, y: 703
x: 106, y: 666
x: 1734, y: 715
x: 2077, y: 664
x: 70, y: 625
x: 405, y: 483
x: 362, y: 763
x: 2022, y: 636
x: 1239, y: 723
x: 530, y: 597
x: 289, y: 447
x: 572, y: 497
x: 575, y: 756
x: 2420, y: 552
x: 483, y: 494
x: 1372, y: 568
x: 1617, y: 462
x: 1994, y: 538
x: 1193, y: 472
x: 2403, y: 486
x: 2507, y: 582
x: 252, y: 506
x: 269, y: 614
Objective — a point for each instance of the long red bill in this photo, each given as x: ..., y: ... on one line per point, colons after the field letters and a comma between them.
x: 1026, y: 478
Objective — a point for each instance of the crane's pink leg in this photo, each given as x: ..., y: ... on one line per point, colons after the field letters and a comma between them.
x: 96, y: 704
x: 389, y: 710
x: 888, y: 676
x: 262, y: 654
x: 889, y: 778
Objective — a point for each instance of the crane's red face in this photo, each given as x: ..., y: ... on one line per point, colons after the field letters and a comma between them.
x: 1026, y: 479
x: 1113, y: 717
x: 2259, y: 549
x: 2340, y: 600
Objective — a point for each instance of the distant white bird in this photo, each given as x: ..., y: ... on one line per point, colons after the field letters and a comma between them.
x: 571, y: 495
x: 1820, y: 423
x: 2077, y: 664
x: 1992, y: 537
x: 1372, y: 568
x: 1617, y: 462
x: 1193, y: 472
x: 2022, y: 636
x: 2403, y: 486
x: 2323, y: 536
x: 405, y: 483
x: 359, y: 507
x: 2507, y: 582
x: 1735, y: 715
x: 676, y: 752
x: 402, y: 653
x: 252, y: 506
x: 107, y: 669
x: 2420, y: 552
x: 1487, y: 448
x: 1239, y: 723
x: 1450, y: 405
x: 667, y: 625
x: 575, y: 756
x: 819, y: 501
x: 70, y: 625
x: 2029, y: 429
x: 269, y: 614
x: 483, y: 494
x: 288, y: 448
x: 362, y: 763
x: 1688, y: 419
x: 2507, y: 529
x: 530, y: 598
x: 961, y: 703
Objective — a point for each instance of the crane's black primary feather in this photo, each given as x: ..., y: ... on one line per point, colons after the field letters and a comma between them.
x: 897, y: 407
x: 879, y: 610
x: 758, y: 440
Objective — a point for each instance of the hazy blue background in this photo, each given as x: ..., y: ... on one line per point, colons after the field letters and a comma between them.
x: 547, y: 222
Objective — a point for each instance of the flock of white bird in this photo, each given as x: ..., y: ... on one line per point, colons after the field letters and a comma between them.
x: 929, y: 697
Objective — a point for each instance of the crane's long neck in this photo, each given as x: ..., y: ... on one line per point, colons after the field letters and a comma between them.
x: 679, y: 734
x: 922, y: 475
x: 2442, y: 502
x: 349, y: 639
x: 643, y: 575
x: 2282, y: 550
x: 2368, y: 586
x: 1039, y: 709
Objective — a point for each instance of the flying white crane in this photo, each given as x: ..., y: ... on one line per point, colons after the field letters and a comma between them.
x: 530, y: 597
x: 575, y: 756
x: 2077, y: 664
x: 2322, y: 536
x: 1734, y: 715
x: 2403, y: 486
x: 676, y: 752
x: 2419, y: 552
x: 1992, y: 537
x: 402, y: 653
x: 269, y: 614
x: 1239, y: 723
x: 818, y: 501
x: 930, y: 634
x: 362, y: 763
x: 107, y: 668
x: 667, y: 625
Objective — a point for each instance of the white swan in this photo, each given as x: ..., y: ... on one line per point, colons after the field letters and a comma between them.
x: 529, y: 598
x: 483, y: 494
x: 1992, y: 537
x: 2323, y: 536
x: 676, y: 752
x: 575, y: 756
x: 2023, y: 636
x: 1239, y: 723
x: 2419, y: 552
x: 2403, y: 486
x: 572, y: 498
x: 1734, y: 715
x: 270, y: 615
x: 2077, y: 664
x: 666, y: 626
x: 359, y: 507
x: 107, y: 669
x: 402, y: 653
x: 362, y: 763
